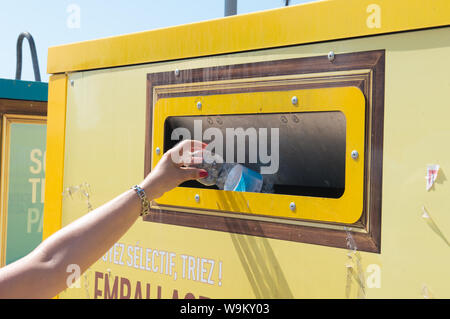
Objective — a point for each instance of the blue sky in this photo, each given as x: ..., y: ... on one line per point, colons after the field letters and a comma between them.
x: 51, y: 24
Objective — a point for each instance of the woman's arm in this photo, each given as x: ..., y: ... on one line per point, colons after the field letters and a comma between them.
x: 43, y: 272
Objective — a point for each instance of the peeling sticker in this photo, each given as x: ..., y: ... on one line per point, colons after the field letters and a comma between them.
x: 354, y: 268
x: 426, y: 216
x: 432, y: 173
x: 83, y: 190
x: 86, y: 282
x: 426, y: 292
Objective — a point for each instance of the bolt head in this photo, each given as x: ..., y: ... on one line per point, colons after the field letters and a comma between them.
x: 177, y: 72
x: 292, y: 206
x: 331, y: 56
x: 197, y: 198
x: 158, y: 151
x: 294, y: 100
x: 72, y: 82
x: 199, y: 105
x: 355, y: 154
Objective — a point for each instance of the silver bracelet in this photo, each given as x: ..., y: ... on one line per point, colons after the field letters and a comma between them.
x: 144, y: 200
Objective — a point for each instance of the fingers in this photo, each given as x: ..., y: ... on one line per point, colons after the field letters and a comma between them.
x: 197, y: 145
x: 189, y: 160
x: 190, y: 146
x: 182, y: 152
x: 193, y: 173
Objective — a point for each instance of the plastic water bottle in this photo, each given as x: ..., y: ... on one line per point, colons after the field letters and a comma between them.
x: 242, y: 179
x: 229, y: 176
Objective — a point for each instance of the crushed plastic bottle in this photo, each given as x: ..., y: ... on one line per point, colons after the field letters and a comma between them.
x: 242, y: 179
x: 228, y: 176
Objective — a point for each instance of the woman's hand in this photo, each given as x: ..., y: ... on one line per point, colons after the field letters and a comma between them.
x: 172, y: 169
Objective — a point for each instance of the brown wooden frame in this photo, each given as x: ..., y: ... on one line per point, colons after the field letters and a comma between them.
x: 371, y: 83
x: 8, y: 106
x: 22, y: 107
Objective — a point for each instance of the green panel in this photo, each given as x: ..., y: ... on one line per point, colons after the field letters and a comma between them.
x: 25, y: 185
x: 23, y: 90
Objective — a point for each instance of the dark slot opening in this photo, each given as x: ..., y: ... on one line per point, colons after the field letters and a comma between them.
x: 311, y: 147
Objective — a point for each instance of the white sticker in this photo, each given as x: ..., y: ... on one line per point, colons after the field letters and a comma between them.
x: 432, y: 173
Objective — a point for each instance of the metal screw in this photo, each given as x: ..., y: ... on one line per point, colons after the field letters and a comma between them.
x: 158, y: 151
x: 331, y: 56
x: 197, y: 198
x: 355, y: 154
x: 292, y: 206
x: 177, y: 72
x: 72, y: 82
x: 199, y: 105
x: 294, y: 100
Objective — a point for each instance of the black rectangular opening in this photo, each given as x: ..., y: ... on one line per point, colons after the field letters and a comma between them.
x: 310, y: 146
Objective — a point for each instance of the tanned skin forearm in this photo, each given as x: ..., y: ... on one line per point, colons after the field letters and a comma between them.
x: 43, y: 273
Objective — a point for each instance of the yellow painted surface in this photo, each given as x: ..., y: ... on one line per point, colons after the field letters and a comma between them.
x: 104, y: 146
x: 56, y: 115
x: 305, y: 23
x: 348, y: 100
